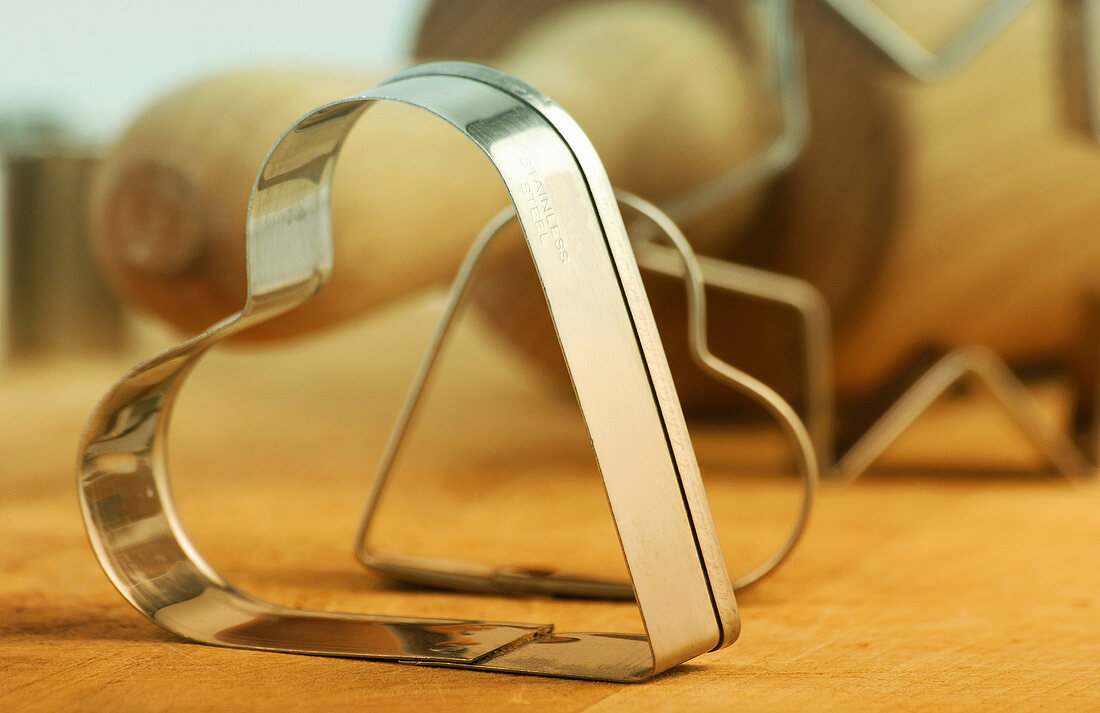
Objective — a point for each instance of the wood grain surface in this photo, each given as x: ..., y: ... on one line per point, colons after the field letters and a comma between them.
x: 948, y: 580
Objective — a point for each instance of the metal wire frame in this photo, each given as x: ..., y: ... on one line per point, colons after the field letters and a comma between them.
x: 470, y: 576
x: 816, y: 364
x: 931, y: 66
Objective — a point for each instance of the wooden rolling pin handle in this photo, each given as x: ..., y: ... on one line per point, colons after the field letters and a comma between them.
x: 658, y: 89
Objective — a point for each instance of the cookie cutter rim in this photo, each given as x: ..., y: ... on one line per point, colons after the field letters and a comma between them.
x: 474, y: 577
x: 983, y: 366
x: 789, y: 86
x: 914, y: 58
x: 928, y: 66
x: 678, y: 573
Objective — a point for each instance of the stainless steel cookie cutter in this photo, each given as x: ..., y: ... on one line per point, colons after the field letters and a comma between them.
x: 471, y: 576
x: 930, y: 66
x: 984, y: 366
x: 1073, y: 460
x: 812, y: 449
x: 595, y: 294
x: 789, y: 85
x: 922, y: 63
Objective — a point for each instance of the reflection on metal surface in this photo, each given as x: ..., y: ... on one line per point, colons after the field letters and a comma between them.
x: 470, y: 576
x: 615, y: 359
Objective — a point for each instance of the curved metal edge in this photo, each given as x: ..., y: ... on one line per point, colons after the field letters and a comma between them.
x: 648, y: 339
x: 127, y: 503
x: 981, y: 363
x: 724, y: 372
x: 785, y: 148
x: 918, y: 61
x: 469, y: 576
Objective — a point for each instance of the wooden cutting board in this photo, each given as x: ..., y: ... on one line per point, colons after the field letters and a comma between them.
x: 945, y: 581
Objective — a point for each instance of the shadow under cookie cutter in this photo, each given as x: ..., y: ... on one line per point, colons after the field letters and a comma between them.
x: 623, y: 385
x: 474, y: 577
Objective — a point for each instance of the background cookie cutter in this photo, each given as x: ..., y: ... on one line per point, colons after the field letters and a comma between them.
x: 929, y: 66
x: 1070, y: 457
x: 616, y: 362
x: 917, y: 60
x: 789, y: 86
x: 470, y: 576
x: 1074, y: 458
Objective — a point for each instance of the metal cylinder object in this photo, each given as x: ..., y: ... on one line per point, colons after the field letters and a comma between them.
x: 53, y: 302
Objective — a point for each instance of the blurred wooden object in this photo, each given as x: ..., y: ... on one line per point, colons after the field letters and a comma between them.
x: 54, y: 302
x: 410, y: 193
x: 944, y: 214
x: 829, y: 220
x: 951, y: 214
x: 994, y: 241
x: 666, y: 94
x: 977, y: 591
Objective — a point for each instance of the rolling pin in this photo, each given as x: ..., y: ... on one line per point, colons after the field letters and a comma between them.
x: 410, y: 194
x: 951, y: 214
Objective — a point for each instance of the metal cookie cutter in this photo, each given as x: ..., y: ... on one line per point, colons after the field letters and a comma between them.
x: 789, y: 85
x: 610, y: 343
x: 470, y: 576
x: 1082, y: 83
x: 922, y: 63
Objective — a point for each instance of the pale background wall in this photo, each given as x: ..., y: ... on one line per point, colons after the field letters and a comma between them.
x: 97, y: 62
x: 92, y: 65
